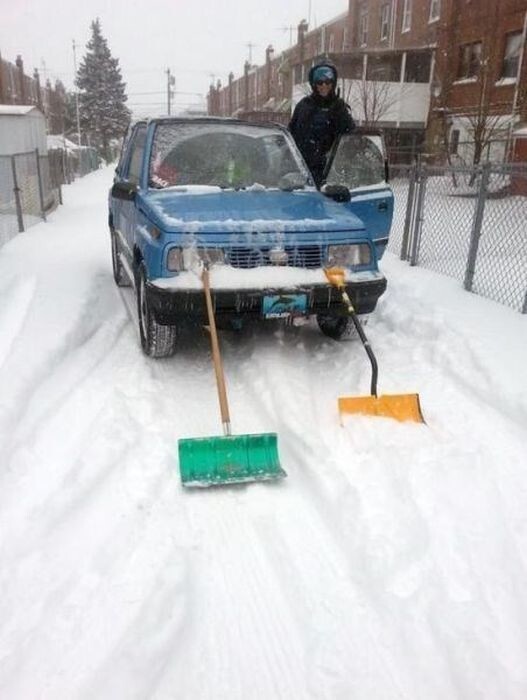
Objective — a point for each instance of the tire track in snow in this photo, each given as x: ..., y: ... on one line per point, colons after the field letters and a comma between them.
x: 453, y: 452
x: 251, y: 643
x: 17, y: 296
x: 27, y: 390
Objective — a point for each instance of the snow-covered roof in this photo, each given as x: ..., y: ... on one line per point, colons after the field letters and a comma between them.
x: 17, y: 110
x: 522, y: 131
x: 59, y: 141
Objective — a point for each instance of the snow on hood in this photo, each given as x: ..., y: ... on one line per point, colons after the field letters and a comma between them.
x: 248, y: 211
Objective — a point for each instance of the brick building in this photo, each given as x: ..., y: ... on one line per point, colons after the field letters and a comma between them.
x: 479, y: 91
x: 440, y: 76
x: 17, y: 88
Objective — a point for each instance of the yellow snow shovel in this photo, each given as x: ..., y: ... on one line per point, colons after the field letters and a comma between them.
x: 402, y: 407
x: 227, y: 458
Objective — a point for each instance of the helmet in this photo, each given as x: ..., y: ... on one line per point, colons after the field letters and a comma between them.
x: 323, y: 71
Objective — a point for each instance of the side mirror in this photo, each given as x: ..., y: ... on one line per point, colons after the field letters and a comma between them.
x: 340, y: 193
x: 124, y: 190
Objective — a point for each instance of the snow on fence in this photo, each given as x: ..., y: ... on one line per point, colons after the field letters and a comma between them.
x: 468, y: 223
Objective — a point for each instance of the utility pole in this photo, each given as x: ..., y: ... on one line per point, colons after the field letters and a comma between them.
x: 76, y: 95
x: 171, y: 80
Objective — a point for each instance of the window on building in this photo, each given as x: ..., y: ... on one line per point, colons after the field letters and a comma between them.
x: 407, y: 16
x: 385, y: 69
x: 351, y: 68
x: 435, y: 10
x: 469, y: 60
x: 418, y: 65
x: 385, y: 21
x: 331, y: 46
x: 511, y: 55
x: 363, y: 27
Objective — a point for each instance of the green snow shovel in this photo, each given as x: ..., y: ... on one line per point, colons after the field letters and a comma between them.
x: 226, y: 459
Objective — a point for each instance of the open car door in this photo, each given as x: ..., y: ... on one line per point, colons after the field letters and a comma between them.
x: 358, y: 161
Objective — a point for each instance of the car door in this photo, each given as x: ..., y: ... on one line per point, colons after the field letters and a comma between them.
x: 131, y: 173
x: 358, y: 162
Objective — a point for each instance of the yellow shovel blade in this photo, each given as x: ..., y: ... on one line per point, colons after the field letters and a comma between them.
x: 401, y: 407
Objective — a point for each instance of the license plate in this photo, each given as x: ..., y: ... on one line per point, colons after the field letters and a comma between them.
x: 284, y: 305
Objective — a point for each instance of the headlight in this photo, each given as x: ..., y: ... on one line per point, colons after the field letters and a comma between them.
x: 211, y: 256
x: 175, y: 260
x: 193, y: 257
x: 349, y: 255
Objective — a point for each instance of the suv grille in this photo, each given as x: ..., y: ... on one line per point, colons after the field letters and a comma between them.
x: 311, y: 256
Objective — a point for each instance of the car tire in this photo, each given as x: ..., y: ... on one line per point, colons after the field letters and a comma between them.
x: 340, y: 327
x: 119, y: 273
x: 156, y: 340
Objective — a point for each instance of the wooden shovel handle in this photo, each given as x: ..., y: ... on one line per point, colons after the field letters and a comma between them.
x: 216, y: 357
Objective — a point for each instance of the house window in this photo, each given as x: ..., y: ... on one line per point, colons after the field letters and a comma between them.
x: 407, y: 16
x: 363, y: 27
x: 385, y: 21
x: 331, y: 47
x: 418, y: 66
x: 511, y: 55
x: 435, y: 10
x: 469, y: 61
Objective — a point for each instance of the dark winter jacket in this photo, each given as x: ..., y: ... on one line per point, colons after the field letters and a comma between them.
x: 316, y: 123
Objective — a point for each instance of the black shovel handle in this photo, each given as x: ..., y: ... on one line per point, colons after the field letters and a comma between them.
x: 364, y: 340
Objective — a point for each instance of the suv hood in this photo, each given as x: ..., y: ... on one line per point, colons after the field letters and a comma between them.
x: 306, y: 211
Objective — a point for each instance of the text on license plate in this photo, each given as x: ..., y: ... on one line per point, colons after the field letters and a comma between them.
x: 284, y: 305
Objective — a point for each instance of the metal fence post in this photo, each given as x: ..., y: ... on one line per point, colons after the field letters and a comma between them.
x: 475, y: 234
x: 410, y: 210
x: 418, y: 219
x: 16, y: 190
x: 40, y: 187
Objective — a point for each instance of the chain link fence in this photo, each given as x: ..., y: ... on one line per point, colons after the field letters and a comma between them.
x: 30, y: 185
x: 468, y: 223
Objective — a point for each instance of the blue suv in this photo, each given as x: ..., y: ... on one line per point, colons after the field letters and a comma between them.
x: 237, y: 197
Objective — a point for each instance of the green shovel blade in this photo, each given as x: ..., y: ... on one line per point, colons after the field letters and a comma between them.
x: 229, y: 459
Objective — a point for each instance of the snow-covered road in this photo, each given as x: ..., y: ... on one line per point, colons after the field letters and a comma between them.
x: 391, y: 563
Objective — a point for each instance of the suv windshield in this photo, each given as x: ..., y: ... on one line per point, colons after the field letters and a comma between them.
x: 358, y: 162
x: 224, y: 155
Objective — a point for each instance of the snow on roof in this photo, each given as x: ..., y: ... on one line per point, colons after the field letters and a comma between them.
x: 520, y: 132
x: 17, y: 110
x: 59, y: 141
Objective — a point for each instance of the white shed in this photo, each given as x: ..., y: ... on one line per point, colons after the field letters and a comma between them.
x: 22, y: 129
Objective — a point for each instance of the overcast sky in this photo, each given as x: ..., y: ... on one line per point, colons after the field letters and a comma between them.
x: 195, y: 38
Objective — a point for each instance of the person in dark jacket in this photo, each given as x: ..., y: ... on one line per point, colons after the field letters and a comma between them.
x: 319, y: 119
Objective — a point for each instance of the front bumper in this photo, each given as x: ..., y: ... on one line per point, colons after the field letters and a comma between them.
x: 171, y: 306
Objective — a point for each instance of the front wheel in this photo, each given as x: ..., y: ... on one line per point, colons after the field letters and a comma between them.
x: 340, y: 327
x: 156, y: 340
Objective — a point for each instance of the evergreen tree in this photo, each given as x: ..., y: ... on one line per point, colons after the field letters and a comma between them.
x: 103, y: 112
